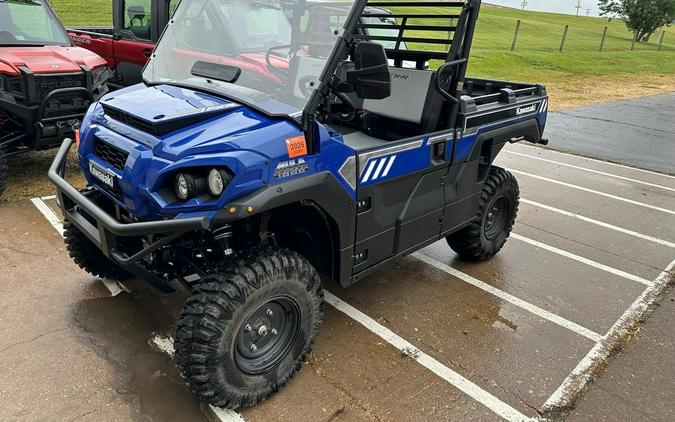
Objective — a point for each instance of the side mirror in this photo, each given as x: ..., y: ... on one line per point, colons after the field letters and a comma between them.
x: 370, y: 78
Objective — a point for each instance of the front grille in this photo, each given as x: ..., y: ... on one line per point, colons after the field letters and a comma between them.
x: 44, y: 84
x: 111, y: 155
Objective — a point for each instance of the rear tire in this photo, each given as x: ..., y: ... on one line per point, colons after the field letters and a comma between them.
x: 90, y: 258
x: 246, y: 331
x: 3, y: 172
x: 497, y: 212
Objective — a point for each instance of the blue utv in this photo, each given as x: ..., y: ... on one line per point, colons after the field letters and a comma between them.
x: 241, y: 186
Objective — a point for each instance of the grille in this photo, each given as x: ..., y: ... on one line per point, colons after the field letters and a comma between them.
x: 44, y: 84
x: 111, y: 155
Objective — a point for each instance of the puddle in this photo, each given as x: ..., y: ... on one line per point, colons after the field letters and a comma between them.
x: 119, y: 329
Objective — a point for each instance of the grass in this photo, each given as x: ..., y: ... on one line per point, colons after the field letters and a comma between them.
x: 536, y: 56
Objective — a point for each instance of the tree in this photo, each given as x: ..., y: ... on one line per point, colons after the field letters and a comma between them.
x: 643, y: 17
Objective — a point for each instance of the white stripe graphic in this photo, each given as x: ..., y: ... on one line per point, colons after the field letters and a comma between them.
x: 542, y: 313
x: 391, y: 163
x: 583, y: 260
x: 607, y: 195
x: 472, y: 390
x: 368, y: 171
x: 379, y: 168
x: 628, y: 179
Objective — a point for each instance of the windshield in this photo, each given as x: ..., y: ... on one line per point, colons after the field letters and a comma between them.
x: 30, y: 22
x: 270, y: 51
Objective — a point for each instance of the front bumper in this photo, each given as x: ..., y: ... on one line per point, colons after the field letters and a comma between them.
x: 44, y: 123
x: 104, y: 229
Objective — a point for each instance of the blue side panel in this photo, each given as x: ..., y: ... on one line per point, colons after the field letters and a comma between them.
x: 464, y: 146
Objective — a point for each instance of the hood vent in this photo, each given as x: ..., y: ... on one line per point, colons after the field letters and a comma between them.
x: 162, y: 124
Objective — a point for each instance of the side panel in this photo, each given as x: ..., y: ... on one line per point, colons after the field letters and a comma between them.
x: 400, y: 198
x: 99, y: 43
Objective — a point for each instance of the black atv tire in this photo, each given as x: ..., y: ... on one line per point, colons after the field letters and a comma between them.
x: 497, y: 211
x: 3, y: 172
x: 88, y: 257
x: 270, y: 299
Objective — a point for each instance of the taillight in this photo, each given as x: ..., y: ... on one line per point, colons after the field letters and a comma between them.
x: 77, y: 138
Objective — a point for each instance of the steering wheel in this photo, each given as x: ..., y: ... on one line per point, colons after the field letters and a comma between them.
x: 279, y: 72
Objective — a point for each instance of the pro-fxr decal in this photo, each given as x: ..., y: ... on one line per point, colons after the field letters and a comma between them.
x: 290, y: 168
x: 378, y: 168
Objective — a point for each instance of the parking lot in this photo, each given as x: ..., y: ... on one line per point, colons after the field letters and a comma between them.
x: 426, y: 338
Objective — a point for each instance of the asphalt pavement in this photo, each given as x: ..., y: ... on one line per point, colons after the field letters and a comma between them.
x: 428, y: 337
x: 638, y: 132
x: 532, y: 333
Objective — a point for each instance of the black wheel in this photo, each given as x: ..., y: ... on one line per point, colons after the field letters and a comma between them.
x: 3, y: 172
x: 88, y: 257
x: 497, y: 212
x: 245, y: 332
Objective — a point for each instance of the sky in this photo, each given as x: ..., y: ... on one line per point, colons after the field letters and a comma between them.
x: 559, y: 6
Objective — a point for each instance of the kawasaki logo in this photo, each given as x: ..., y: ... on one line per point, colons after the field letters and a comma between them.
x: 527, y: 109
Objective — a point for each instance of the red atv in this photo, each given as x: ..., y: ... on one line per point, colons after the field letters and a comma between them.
x: 46, y: 83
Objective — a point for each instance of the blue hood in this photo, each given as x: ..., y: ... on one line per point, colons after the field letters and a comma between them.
x: 198, y: 123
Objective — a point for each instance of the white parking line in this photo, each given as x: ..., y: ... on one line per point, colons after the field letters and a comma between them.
x: 667, y: 176
x: 608, y: 195
x: 565, y: 396
x: 599, y: 223
x: 163, y: 343
x: 472, y: 390
x: 50, y: 215
x: 628, y: 179
x: 542, y: 313
x: 583, y: 260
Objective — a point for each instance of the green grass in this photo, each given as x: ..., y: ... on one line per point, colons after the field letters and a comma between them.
x: 536, y: 56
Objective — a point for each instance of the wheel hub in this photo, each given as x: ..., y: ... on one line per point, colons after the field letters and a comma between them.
x: 496, y: 217
x: 267, y: 335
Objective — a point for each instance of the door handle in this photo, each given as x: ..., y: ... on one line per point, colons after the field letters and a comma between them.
x: 147, y: 52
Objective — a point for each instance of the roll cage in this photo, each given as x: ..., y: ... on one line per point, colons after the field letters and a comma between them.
x: 455, y: 36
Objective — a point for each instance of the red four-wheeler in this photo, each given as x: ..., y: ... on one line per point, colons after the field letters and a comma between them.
x: 138, y: 24
x: 46, y: 83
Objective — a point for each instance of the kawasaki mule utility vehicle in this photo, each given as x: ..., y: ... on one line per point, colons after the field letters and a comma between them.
x: 46, y: 84
x: 242, y: 190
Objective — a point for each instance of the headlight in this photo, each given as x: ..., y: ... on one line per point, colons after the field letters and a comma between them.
x: 218, y: 179
x: 202, y: 183
x: 184, y: 186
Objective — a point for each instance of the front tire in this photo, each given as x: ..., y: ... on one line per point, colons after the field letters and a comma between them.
x: 246, y: 331
x: 90, y: 258
x: 497, y: 212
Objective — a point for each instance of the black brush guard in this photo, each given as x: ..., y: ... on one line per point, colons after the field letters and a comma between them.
x: 79, y: 209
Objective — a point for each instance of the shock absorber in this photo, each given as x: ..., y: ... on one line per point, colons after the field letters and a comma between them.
x: 222, y: 237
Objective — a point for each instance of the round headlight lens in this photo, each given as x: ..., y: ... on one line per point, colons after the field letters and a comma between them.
x: 184, y: 186
x: 216, y: 182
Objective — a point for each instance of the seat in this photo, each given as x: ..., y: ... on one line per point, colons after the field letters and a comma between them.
x: 413, y: 108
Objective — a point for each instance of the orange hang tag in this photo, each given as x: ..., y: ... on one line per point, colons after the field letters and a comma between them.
x: 297, y: 146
